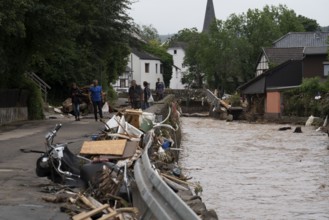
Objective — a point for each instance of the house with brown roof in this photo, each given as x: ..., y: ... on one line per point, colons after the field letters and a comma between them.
x: 295, y: 56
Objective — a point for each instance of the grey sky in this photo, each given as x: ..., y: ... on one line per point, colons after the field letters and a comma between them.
x: 170, y: 16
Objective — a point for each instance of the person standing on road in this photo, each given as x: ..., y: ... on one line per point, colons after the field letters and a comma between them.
x: 135, y: 95
x: 147, y: 94
x: 76, y: 100
x: 159, y: 89
x: 95, y: 95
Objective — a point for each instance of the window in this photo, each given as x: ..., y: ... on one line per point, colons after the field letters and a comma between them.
x: 147, y: 67
x: 156, y: 68
x: 175, y: 51
x: 123, y: 83
x: 326, y: 68
x: 161, y: 68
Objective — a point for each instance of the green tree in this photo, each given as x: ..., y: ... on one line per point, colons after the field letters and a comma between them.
x: 12, y: 34
x: 194, y: 77
x: 223, y: 56
x: 155, y: 48
x: 310, y: 25
x: 64, y: 41
x: 227, y: 55
x: 149, y: 33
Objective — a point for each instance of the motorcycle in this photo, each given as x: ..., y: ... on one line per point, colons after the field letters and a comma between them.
x: 61, y: 166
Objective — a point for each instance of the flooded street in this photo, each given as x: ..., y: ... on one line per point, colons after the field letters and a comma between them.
x: 254, y: 171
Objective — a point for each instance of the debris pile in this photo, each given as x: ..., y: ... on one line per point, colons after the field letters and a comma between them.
x: 108, y: 194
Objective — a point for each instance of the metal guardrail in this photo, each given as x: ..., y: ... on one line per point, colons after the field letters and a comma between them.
x: 40, y: 83
x: 162, y: 202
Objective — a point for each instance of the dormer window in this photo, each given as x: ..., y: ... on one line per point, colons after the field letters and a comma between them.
x: 175, y: 51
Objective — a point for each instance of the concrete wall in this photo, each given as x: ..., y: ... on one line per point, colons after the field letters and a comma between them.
x: 8, y: 115
x: 13, y: 105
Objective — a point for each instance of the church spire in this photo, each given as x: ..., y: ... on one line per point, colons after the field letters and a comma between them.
x: 209, y: 17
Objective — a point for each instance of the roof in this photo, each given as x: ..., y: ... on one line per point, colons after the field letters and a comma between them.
x: 209, y: 16
x: 302, y: 39
x: 178, y: 44
x: 260, y: 80
x: 144, y: 55
x: 281, y: 55
x: 316, y: 50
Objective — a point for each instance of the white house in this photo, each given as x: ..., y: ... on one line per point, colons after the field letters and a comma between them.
x: 142, y: 66
x: 177, y: 50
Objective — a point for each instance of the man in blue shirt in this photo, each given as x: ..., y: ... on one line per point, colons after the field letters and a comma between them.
x: 95, y: 95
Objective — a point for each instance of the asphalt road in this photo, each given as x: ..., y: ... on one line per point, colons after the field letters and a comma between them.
x: 21, y: 189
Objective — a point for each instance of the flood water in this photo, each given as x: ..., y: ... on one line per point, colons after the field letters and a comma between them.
x: 254, y: 171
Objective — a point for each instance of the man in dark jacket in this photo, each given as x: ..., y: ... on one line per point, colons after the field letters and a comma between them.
x: 147, y: 94
x: 135, y: 95
x: 76, y: 100
x: 159, y: 88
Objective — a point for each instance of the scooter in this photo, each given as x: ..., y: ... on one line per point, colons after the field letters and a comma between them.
x: 60, y: 165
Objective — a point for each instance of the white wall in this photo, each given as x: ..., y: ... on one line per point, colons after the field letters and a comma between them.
x: 135, y: 64
x: 178, y: 58
x: 152, y: 76
x: 262, y: 65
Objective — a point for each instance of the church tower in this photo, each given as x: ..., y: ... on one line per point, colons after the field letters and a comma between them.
x: 209, y: 17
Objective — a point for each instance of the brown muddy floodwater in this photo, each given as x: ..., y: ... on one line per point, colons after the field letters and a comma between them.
x: 254, y: 171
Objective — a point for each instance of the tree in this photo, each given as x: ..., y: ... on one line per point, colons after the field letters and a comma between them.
x: 153, y: 46
x: 185, y: 35
x: 310, y: 25
x: 223, y: 56
x: 192, y: 59
x: 227, y: 55
x: 156, y: 49
x: 191, y: 38
x: 64, y: 41
x: 12, y: 34
x: 149, y: 33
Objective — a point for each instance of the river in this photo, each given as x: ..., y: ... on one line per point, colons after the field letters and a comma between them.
x: 255, y: 171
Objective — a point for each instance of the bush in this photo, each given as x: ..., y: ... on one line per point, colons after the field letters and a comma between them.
x: 234, y: 100
x: 35, y: 102
x: 112, y: 95
x: 301, y: 101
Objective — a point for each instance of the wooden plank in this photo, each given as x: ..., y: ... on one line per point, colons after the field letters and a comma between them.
x: 129, y: 151
x: 86, y: 215
x: 78, y: 216
x: 133, y: 112
x: 105, y: 147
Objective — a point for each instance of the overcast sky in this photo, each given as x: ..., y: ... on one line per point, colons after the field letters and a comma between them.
x: 170, y: 16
